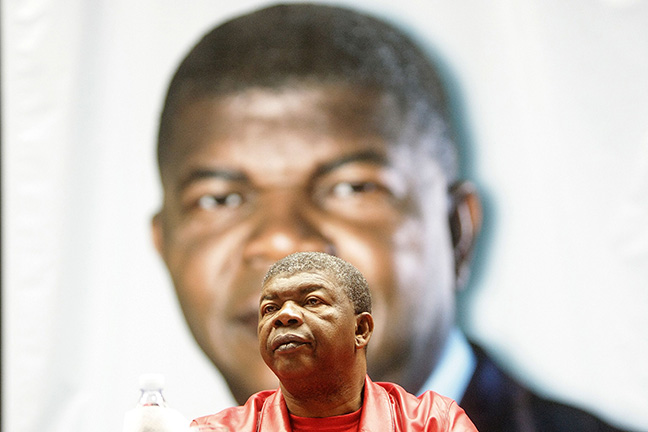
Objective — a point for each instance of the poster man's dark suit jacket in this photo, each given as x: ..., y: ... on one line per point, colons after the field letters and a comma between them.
x: 495, y: 402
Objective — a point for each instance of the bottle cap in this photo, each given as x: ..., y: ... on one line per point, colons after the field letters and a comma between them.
x: 151, y: 381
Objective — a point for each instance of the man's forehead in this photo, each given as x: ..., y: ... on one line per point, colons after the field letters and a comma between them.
x: 284, y: 121
x: 267, y: 103
x: 326, y: 108
x: 318, y: 105
x: 299, y: 283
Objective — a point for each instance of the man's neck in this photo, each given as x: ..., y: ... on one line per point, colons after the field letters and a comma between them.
x: 315, y: 399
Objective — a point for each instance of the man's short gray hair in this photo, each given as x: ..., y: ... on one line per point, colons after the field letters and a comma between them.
x: 353, y: 282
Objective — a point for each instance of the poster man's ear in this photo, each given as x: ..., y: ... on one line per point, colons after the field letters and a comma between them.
x: 157, y: 232
x: 465, y: 225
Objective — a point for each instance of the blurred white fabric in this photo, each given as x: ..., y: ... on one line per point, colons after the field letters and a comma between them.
x: 556, y: 113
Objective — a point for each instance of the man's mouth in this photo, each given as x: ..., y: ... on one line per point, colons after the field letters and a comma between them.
x: 287, y: 342
x: 288, y: 346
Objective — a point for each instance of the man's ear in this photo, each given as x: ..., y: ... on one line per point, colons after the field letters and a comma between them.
x: 157, y: 232
x: 465, y: 225
x: 364, y: 329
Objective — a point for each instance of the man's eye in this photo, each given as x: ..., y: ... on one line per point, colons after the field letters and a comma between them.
x: 345, y: 189
x: 268, y: 309
x: 313, y: 301
x: 231, y: 200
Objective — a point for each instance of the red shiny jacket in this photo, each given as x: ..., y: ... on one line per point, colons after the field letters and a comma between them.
x: 386, y: 407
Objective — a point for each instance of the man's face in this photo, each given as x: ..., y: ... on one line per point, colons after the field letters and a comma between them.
x: 306, y: 326
x: 261, y: 174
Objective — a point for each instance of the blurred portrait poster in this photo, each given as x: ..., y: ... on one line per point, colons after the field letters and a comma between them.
x: 100, y: 283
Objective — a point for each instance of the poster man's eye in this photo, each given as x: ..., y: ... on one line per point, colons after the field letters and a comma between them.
x: 230, y: 200
x: 345, y: 189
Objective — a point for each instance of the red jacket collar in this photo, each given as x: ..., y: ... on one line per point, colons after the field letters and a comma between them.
x: 377, y: 413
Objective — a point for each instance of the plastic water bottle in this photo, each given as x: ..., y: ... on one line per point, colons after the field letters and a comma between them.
x: 152, y: 413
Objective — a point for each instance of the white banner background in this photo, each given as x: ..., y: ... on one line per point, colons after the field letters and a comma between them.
x: 556, y: 98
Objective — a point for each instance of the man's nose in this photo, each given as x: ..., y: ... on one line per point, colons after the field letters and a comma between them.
x: 286, y: 224
x: 288, y: 315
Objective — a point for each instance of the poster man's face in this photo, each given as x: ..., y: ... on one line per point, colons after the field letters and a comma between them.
x: 257, y: 175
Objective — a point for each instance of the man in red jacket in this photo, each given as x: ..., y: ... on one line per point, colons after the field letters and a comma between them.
x: 314, y: 326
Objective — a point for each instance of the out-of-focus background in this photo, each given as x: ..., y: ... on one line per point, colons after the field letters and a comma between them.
x: 554, y: 103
